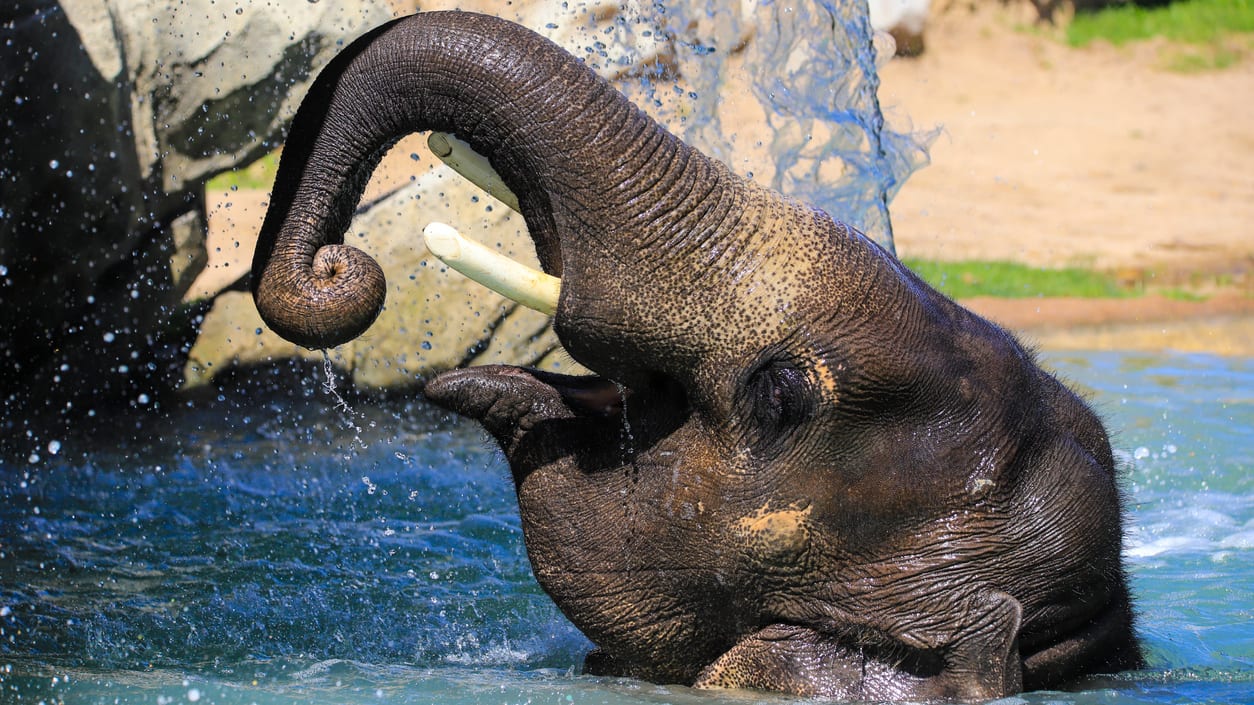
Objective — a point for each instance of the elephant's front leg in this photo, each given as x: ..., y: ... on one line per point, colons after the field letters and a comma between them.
x: 980, y: 661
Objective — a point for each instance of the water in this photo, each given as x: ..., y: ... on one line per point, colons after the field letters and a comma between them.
x: 257, y: 548
x: 241, y: 549
x: 811, y: 68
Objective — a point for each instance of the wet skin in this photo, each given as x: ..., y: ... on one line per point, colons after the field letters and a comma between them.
x: 796, y: 466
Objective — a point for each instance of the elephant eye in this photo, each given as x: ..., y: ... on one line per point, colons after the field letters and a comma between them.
x: 782, y: 399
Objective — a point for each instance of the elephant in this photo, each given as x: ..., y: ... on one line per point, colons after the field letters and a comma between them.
x: 793, y: 465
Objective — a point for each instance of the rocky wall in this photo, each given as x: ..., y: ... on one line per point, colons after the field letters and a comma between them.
x: 118, y: 113
x: 115, y: 115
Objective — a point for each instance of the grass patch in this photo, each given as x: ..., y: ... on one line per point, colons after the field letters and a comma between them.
x: 1012, y: 280
x: 258, y: 175
x: 1188, y: 21
x: 1176, y: 294
x: 1208, y: 58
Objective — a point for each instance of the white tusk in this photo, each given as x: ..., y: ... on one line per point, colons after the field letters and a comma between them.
x: 472, y: 165
x: 517, y: 282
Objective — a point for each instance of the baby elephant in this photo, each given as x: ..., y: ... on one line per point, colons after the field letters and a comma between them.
x: 796, y: 466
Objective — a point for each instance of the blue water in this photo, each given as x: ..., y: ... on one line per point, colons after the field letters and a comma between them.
x: 241, y: 549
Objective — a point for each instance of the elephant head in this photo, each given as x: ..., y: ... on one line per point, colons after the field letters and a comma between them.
x: 796, y: 467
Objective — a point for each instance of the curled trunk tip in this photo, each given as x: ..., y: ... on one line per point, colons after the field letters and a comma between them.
x: 327, y: 303
x: 563, y: 148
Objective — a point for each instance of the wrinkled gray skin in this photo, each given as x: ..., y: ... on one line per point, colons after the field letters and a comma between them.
x: 823, y: 477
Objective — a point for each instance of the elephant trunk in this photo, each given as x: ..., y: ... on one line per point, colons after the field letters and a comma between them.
x: 582, y: 160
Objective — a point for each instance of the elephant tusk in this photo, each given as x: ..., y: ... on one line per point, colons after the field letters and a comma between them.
x: 517, y: 282
x: 472, y: 165
x: 529, y: 287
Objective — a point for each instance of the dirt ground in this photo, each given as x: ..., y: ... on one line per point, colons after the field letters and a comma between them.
x: 1056, y: 155
x: 1099, y: 157
x: 1048, y: 155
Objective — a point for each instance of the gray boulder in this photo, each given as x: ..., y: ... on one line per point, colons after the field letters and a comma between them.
x: 435, y: 319
x: 116, y: 113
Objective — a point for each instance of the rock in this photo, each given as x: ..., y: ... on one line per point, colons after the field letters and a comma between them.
x: 116, y: 114
x: 435, y: 319
x: 121, y: 110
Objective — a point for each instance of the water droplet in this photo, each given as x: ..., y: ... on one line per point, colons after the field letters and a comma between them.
x: 54, y: 447
x: 54, y: 164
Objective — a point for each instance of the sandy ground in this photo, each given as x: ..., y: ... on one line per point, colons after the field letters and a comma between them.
x: 1047, y: 155
x: 1098, y: 157
x: 1053, y: 155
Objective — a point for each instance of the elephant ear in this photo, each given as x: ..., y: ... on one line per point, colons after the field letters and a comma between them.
x: 980, y: 662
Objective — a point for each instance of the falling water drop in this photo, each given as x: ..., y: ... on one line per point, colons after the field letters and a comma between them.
x: 341, y: 403
x: 628, y: 445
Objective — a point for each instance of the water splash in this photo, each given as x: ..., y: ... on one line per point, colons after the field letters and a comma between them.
x: 627, y: 444
x: 818, y: 84
x: 811, y: 68
x: 346, y: 410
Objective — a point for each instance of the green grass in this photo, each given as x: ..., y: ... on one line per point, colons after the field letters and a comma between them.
x: 1188, y: 21
x: 1012, y: 280
x: 257, y: 175
x: 1207, y: 58
x: 1206, y: 35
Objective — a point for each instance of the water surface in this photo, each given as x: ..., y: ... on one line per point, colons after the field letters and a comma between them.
x: 239, y: 550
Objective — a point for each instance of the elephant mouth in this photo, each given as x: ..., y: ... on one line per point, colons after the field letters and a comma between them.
x: 524, y: 408
x: 502, y: 397
x: 541, y: 417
